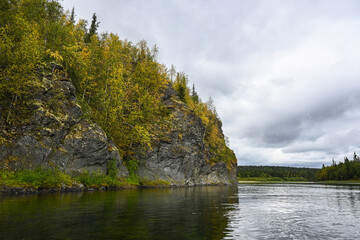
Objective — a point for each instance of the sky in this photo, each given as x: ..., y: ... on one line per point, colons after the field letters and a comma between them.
x: 284, y: 74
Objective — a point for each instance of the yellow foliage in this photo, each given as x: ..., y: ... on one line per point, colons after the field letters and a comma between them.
x: 121, y: 82
x: 55, y: 55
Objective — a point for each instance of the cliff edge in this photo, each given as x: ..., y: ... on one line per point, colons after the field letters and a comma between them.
x: 57, y: 134
x: 90, y: 108
x: 180, y: 154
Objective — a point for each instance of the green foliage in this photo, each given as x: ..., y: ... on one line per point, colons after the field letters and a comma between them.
x: 31, y: 32
x: 154, y: 183
x: 133, y: 179
x: 347, y: 170
x: 20, y: 53
x: 131, y: 165
x: 194, y: 96
x: 93, y: 28
x: 274, y: 173
x: 72, y: 16
x: 273, y: 179
x: 54, y: 178
x: 180, y: 85
x: 96, y: 179
x: 39, y: 177
x: 214, y: 137
x: 112, y: 169
x: 121, y: 83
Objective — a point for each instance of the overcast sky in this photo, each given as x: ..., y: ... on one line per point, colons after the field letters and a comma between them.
x: 284, y: 75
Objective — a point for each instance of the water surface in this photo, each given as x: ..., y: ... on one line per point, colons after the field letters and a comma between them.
x: 274, y: 211
x: 295, y: 211
x: 178, y: 213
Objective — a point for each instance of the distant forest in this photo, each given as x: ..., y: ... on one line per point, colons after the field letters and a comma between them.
x: 274, y: 173
x: 347, y: 170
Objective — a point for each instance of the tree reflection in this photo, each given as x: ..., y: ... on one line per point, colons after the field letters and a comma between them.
x: 176, y: 213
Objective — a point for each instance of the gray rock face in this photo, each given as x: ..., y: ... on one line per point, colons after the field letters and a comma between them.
x: 179, y: 156
x: 57, y: 136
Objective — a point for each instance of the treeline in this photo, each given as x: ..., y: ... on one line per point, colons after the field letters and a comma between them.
x: 120, y: 83
x: 282, y: 173
x: 347, y: 170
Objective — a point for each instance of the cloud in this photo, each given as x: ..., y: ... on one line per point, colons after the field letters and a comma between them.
x: 284, y: 74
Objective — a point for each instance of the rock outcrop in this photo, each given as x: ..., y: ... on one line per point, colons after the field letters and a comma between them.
x: 57, y: 134
x: 180, y: 155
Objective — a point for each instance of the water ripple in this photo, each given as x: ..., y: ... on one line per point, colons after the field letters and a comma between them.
x: 295, y: 212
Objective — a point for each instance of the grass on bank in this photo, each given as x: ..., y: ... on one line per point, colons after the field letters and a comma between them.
x: 54, y: 178
x: 35, y: 178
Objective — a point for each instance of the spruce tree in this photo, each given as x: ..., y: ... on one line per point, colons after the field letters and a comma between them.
x: 194, y: 95
x: 93, y: 28
x: 72, y: 16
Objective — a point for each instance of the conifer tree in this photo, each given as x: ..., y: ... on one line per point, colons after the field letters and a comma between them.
x: 93, y: 28
x: 172, y: 72
x: 194, y: 95
x: 72, y: 16
x: 121, y: 83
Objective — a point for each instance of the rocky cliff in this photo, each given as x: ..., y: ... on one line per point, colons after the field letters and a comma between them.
x: 57, y: 134
x: 180, y: 155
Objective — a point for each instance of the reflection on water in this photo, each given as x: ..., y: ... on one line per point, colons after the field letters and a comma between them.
x: 181, y: 213
x: 277, y: 211
x: 295, y: 212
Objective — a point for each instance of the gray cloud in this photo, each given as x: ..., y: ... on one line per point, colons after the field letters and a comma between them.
x: 284, y: 74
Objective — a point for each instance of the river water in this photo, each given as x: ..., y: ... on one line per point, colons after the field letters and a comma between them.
x: 274, y: 211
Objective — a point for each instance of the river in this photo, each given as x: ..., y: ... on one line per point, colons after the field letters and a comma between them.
x: 254, y: 211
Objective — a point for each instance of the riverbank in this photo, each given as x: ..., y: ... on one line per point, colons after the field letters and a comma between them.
x: 32, y: 190
x: 343, y: 182
x: 274, y: 182
x: 40, y: 181
x: 273, y: 179
x: 52, y: 180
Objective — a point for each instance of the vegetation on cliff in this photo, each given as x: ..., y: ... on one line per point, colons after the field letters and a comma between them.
x: 46, y: 178
x: 119, y: 84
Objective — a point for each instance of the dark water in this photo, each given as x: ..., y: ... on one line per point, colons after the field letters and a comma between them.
x: 179, y: 213
x: 243, y: 212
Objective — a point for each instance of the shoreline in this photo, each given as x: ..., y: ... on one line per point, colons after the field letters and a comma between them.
x: 339, y: 183
x: 15, y: 191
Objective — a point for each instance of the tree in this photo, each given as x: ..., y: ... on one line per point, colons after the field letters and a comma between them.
x: 194, y: 95
x: 180, y: 86
x: 172, y: 72
x: 355, y: 157
x: 93, y: 28
x: 120, y: 84
x: 72, y: 16
x: 20, y: 54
